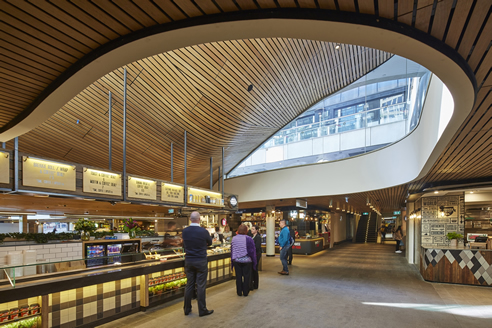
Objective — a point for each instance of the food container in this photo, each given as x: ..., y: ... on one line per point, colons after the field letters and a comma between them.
x: 151, y: 282
x: 4, y: 315
x: 14, y: 313
x: 24, y: 311
x: 35, y: 308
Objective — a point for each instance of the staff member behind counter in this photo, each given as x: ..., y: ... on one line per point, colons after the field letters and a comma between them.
x: 217, y: 235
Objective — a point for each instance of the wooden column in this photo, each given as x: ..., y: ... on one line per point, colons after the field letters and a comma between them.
x: 44, y: 311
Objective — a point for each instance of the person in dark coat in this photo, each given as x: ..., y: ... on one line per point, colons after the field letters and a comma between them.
x: 195, y: 241
x: 257, y: 239
x: 243, y: 256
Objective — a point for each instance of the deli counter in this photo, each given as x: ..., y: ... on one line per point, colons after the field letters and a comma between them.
x: 86, y: 295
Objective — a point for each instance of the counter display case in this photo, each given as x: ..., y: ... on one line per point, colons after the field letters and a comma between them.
x: 83, y: 296
x: 102, y: 252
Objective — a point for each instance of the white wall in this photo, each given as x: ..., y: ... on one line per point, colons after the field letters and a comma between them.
x: 396, y: 164
x: 45, y: 252
x: 9, y: 227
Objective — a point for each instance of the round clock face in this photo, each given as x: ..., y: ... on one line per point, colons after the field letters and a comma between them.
x: 233, y: 201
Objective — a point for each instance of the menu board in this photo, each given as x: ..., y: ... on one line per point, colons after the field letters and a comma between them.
x: 4, y: 167
x: 47, y: 174
x: 142, y: 188
x: 172, y: 193
x: 101, y: 182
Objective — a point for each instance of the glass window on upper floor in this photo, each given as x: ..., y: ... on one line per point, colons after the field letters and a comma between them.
x: 376, y: 110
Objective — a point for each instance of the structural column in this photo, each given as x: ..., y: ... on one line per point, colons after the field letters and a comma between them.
x: 270, y: 234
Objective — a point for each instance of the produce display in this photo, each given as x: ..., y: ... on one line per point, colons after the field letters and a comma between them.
x: 166, y: 283
x: 26, y: 323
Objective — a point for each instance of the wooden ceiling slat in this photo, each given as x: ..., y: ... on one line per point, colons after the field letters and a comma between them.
x: 461, y: 12
x: 246, y: 4
x: 188, y: 7
x: 477, y: 19
x: 327, y: 4
x: 484, y: 68
x: 346, y: 5
x: 15, y: 78
x: 386, y: 8
x: 23, y: 66
x: 441, y: 17
x: 130, y: 21
x: 37, y: 24
x: 133, y: 10
x: 227, y: 5
x: 422, y: 20
x: 366, y: 7
x: 33, y: 58
x: 207, y: 6
x: 306, y: 4
x: 152, y: 11
x: 170, y: 9
x: 287, y: 3
x: 405, y: 7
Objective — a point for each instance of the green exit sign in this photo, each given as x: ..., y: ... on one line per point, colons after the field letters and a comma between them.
x: 396, y: 212
x: 365, y: 213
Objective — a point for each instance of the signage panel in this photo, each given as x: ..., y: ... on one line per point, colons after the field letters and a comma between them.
x: 101, y: 182
x: 365, y: 213
x: 142, y: 188
x: 46, y: 174
x: 396, y: 212
x: 4, y: 167
x: 172, y: 193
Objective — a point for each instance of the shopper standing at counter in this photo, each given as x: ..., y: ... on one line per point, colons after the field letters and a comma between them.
x: 243, y: 255
x: 195, y: 241
x: 398, y: 237
x: 283, y: 242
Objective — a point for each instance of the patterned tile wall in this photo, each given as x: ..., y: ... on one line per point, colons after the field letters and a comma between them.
x: 435, y: 227
x: 474, y: 261
x: 84, y: 305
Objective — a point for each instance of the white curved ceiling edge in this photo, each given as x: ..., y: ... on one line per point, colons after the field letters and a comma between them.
x: 393, y: 165
x: 447, y: 70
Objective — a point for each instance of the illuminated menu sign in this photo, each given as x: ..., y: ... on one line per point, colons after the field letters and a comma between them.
x: 142, y: 188
x: 46, y: 174
x: 172, y: 193
x: 101, y: 182
x: 4, y: 167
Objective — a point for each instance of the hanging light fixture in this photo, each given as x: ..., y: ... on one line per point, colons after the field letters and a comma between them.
x: 331, y: 203
x: 343, y: 208
x: 338, y: 206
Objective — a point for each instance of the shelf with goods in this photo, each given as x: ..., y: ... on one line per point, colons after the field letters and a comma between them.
x: 18, y: 321
x: 166, y: 283
x: 203, y: 197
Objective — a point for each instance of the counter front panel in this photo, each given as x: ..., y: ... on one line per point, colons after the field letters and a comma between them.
x: 459, y: 266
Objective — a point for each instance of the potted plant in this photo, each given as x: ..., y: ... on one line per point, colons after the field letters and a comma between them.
x: 85, y: 227
x: 454, y: 237
x: 131, y: 227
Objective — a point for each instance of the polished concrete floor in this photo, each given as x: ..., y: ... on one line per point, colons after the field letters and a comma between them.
x: 352, y: 285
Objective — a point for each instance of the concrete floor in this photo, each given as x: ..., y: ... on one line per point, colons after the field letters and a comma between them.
x: 352, y: 285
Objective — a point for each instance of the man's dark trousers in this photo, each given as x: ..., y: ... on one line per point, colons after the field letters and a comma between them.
x: 196, y: 273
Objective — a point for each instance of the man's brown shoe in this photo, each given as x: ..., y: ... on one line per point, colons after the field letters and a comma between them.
x: 284, y: 273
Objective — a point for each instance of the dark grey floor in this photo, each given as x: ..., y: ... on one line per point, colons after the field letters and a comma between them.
x: 352, y: 285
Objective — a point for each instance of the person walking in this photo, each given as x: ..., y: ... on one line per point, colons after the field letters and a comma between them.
x: 383, y: 233
x: 283, y: 242
x: 398, y: 237
x: 243, y: 256
x: 195, y: 242
x: 257, y: 241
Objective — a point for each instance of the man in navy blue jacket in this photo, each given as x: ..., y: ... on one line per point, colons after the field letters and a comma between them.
x: 196, y: 240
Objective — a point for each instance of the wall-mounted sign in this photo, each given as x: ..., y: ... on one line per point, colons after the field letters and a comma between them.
x: 204, y: 197
x: 396, y: 212
x: 224, y: 222
x: 101, y: 182
x: 4, y: 167
x: 301, y: 203
x: 142, y: 188
x: 365, y: 213
x: 233, y: 201
x: 46, y: 174
x: 172, y: 193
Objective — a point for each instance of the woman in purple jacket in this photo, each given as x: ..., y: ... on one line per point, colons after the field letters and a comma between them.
x: 243, y: 255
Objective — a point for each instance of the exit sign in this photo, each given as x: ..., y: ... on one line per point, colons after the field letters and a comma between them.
x: 365, y: 213
x: 396, y: 212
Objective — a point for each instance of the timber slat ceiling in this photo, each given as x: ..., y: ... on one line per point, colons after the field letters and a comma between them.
x: 201, y: 89
x: 41, y: 39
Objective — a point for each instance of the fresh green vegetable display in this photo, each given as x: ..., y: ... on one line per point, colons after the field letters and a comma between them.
x: 26, y: 323
x: 158, y: 289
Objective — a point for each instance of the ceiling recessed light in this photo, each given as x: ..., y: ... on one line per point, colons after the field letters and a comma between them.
x: 436, y: 192
x: 337, y: 46
x: 471, y: 192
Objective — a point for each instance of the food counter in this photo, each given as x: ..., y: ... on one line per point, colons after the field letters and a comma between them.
x: 456, y: 265
x: 304, y: 246
x: 87, y: 297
